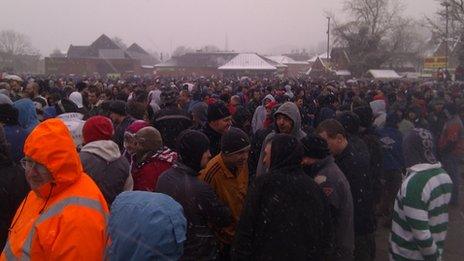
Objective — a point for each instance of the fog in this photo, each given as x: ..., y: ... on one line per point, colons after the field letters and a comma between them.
x: 265, y: 26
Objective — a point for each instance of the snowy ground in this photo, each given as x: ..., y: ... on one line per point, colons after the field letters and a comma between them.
x: 454, y: 246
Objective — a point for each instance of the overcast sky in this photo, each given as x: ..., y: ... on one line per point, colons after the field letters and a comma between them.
x: 264, y: 26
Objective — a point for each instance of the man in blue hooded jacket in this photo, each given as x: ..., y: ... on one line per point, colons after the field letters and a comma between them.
x: 146, y: 226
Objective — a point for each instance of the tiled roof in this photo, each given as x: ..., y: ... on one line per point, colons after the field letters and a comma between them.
x: 77, y: 51
x: 111, y: 54
x: 135, y: 48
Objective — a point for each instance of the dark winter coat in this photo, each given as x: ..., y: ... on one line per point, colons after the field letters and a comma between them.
x: 103, y: 162
x: 285, y: 213
x: 202, y: 209
x: 214, y: 139
x: 355, y: 165
x: 436, y: 121
x: 257, y: 141
x: 170, y: 122
x: 371, y: 138
x: 13, y: 189
x: 392, y: 140
x: 15, y: 136
x: 337, y: 190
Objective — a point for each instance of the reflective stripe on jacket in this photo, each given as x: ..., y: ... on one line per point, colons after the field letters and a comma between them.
x: 55, y: 210
x: 61, y: 220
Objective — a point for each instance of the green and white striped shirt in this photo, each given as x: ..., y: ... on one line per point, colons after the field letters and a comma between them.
x: 420, y: 219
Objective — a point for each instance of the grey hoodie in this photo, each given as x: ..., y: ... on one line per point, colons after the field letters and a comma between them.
x: 103, y: 162
x: 106, y: 149
x: 290, y: 110
x: 259, y: 115
x: 379, y: 110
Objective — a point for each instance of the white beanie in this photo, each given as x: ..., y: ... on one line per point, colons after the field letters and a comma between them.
x: 76, y: 98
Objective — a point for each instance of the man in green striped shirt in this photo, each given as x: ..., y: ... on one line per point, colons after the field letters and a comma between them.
x: 420, y: 219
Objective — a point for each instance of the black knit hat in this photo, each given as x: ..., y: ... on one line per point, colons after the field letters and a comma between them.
x: 64, y: 106
x: 118, y: 107
x: 315, y: 147
x: 217, y: 111
x: 191, y: 145
x: 350, y: 122
x: 365, y: 115
x: 234, y: 141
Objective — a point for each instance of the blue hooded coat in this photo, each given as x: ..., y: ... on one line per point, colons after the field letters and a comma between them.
x: 146, y: 226
x: 27, y: 117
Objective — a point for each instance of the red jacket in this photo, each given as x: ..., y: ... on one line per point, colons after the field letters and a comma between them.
x: 146, y: 173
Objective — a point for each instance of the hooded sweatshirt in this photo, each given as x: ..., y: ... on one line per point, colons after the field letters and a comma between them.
x: 27, y: 115
x: 290, y: 110
x: 420, y: 219
x: 64, y: 219
x: 74, y: 122
x: 202, y: 208
x: 285, y: 216
x: 76, y: 98
x: 260, y: 114
x: 154, y: 219
x: 379, y: 110
x: 103, y: 162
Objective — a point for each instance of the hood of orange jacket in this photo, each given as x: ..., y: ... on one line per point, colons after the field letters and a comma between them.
x: 51, y: 145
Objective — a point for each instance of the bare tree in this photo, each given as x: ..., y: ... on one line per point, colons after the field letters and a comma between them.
x: 181, y: 50
x: 455, y: 16
x: 377, y: 15
x: 154, y: 53
x: 15, y: 43
x: 56, y: 53
x: 371, y: 34
x: 209, y: 49
x: 120, y: 42
x: 437, y: 23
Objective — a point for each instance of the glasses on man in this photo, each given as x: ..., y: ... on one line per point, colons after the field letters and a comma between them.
x: 27, y: 163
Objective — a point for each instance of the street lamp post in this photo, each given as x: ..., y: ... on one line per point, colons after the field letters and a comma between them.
x: 328, y: 38
x: 446, y: 5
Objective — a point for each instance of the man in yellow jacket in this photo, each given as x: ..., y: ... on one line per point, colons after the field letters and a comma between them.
x: 227, y: 173
x: 64, y: 215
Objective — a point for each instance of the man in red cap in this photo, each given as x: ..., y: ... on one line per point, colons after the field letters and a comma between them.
x: 102, y: 159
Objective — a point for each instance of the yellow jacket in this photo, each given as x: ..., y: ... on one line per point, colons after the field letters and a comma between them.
x: 230, y: 187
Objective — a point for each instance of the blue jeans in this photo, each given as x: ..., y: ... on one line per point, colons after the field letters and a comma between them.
x: 452, y: 167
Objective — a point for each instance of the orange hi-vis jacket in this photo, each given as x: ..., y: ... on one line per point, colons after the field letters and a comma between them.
x: 64, y: 219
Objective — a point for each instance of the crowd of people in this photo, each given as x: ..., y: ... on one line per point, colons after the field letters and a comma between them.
x: 219, y: 168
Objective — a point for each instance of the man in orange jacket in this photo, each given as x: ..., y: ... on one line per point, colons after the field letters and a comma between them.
x: 64, y: 216
x: 227, y: 173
